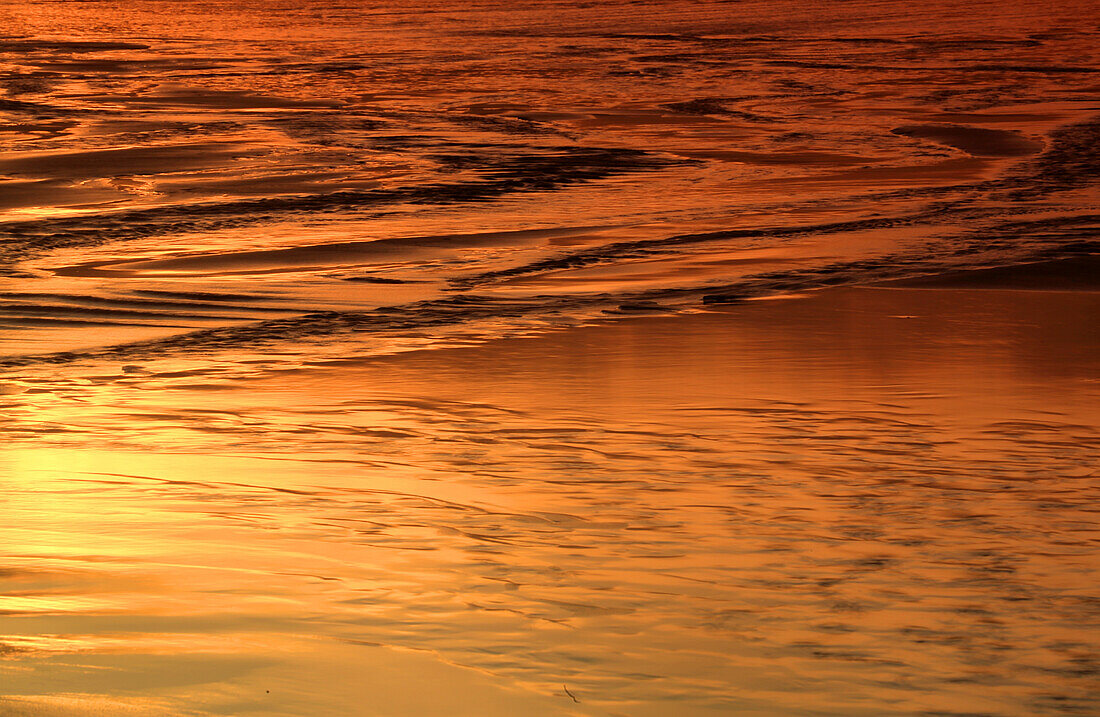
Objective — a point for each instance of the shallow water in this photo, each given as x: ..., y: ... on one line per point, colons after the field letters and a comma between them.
x: 300, y: 158
x: 372, y: 360
x: 803, y: 506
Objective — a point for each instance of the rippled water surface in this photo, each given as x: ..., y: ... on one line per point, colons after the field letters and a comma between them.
x: 542, y: 358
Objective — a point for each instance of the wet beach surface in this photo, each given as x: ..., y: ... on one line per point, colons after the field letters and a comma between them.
x: 621, y: 358
x: 869, y: 501
x: 550, y: 159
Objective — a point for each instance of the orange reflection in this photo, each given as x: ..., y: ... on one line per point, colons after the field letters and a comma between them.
x: 730, y: 503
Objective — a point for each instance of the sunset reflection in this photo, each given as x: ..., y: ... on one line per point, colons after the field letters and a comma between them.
x: 548, y: 359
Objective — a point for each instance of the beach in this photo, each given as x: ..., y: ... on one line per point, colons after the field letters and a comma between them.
x: 639, y: 358
x: 770, y: 509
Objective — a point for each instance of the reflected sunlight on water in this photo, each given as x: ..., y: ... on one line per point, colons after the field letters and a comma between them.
x: 770, y: 510
x: 537, y: 358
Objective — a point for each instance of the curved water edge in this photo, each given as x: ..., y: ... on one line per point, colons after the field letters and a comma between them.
x: 715, y: 163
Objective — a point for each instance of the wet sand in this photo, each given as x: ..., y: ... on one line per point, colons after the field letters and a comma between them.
x: 450, y: 358
x: 1081, y: 273
x: 867, y: 501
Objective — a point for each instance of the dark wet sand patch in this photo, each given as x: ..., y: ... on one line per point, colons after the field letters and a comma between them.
x: 951, y: 170
x: 967, y: 118
x: 69, y: 311
x: 120, y: 162
x: 46, y: 128
x: 52, y: 193
x: 640, y: 118
x: 977, y: 141
x: 214, y: 99
x: 293, y: 183
x: 318, y: 255
x: 780, y: 158
x: 546, y: 116
x: 24, y: 44
x: 1075, y: 274
x: 135, y: 303
x: 124, y: 66
x: 664, y: 271
x: 28, y: 322
x: 205, y: 295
